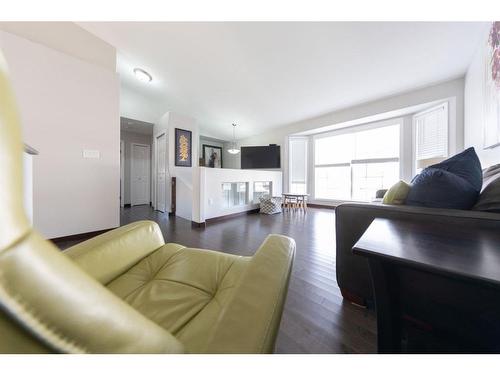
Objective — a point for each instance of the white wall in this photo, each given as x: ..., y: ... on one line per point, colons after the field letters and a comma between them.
x: 474, y: 108
x: 209, y: 188
x: 68, y: 38
x: 67, y: 105
x: 138, y: 106
x: 128, y: 138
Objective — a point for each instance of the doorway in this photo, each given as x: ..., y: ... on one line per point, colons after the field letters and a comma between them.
x: 140, y: 174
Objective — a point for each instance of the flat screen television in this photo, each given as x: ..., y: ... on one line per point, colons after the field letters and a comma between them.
x: 260, y: 157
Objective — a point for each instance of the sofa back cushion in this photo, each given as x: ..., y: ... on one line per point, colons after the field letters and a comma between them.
x: 454, y: 183
x: 489, y: 199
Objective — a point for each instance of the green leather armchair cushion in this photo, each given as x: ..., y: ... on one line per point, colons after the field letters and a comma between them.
x: 108, y: 255
x: 210, y: 301
x: 67, y: 310
x: 250, y: 322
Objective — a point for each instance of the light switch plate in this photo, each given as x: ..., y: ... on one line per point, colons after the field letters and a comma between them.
x: 91, y: 154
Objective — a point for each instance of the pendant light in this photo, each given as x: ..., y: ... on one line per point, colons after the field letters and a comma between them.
x: 233, y: 149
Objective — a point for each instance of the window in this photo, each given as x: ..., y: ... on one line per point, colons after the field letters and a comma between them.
x: 431, y: 130
x: 261, y: 188
x: 298, y: 165
x: 353, y: 166
x: 235, y: 193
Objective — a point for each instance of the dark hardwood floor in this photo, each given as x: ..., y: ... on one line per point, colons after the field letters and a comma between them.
x: 316, y: 318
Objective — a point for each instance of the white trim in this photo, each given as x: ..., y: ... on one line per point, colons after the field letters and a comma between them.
x: 359, y: 128
x: 122, y: 173
x: 155, y: 200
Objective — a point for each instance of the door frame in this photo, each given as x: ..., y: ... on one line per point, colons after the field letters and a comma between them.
x: 156, y: 137
x: 122, y: 173
x: 132, y: 144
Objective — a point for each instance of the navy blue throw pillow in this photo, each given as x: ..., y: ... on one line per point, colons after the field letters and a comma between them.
x: 441, y: 189
x: 466, y: 165
x: 453, y: 183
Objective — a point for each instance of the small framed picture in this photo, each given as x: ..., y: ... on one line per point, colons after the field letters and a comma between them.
x: 212, y: 156
x: 183, y: 147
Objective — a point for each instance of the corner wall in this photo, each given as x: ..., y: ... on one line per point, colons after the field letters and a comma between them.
x: 68, y: 104
x: 184, y: 175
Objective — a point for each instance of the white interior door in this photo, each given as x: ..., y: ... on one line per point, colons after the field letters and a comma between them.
x: 161, y: 173
x: 139, y: 176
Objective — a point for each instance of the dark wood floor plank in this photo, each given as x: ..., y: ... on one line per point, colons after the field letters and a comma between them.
x: 316, y: 319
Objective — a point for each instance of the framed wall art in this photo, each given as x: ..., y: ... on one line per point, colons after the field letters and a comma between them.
x: 212, y: 156
x: 491, y: 87
x: 183, y: 148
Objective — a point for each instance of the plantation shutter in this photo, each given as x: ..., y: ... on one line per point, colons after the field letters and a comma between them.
x: 432, y: 133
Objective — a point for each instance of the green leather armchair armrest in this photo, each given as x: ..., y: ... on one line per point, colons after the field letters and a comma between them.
x: 260, y: 295
x: 108, y: 255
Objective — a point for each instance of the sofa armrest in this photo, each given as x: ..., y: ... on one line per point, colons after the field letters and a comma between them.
x: 108, y: 255
x: 352, y: 219
x: 260, y: 296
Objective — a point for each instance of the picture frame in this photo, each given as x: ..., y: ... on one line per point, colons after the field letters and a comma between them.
x: 212, y: 156
x: 183, y: 148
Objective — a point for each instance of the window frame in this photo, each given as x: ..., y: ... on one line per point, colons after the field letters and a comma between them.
x: 347, y: 130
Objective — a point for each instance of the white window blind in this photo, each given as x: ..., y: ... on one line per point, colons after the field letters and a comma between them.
x: 298, y: 165
x: 431, y: 129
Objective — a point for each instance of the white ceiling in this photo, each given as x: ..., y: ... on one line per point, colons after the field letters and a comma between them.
x: 266, y: 75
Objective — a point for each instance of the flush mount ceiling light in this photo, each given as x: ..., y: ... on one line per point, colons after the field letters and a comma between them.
x: 142, y: 75
x: 233, y: 148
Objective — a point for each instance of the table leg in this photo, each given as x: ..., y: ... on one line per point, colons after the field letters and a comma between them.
x: 388, y: 308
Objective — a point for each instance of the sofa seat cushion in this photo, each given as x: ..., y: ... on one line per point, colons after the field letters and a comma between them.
x: 184, y: 290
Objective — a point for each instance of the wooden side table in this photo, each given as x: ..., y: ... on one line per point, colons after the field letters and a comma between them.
x: 438, y: 280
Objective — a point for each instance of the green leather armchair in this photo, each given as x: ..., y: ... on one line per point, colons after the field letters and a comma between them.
x: 126, y: 291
